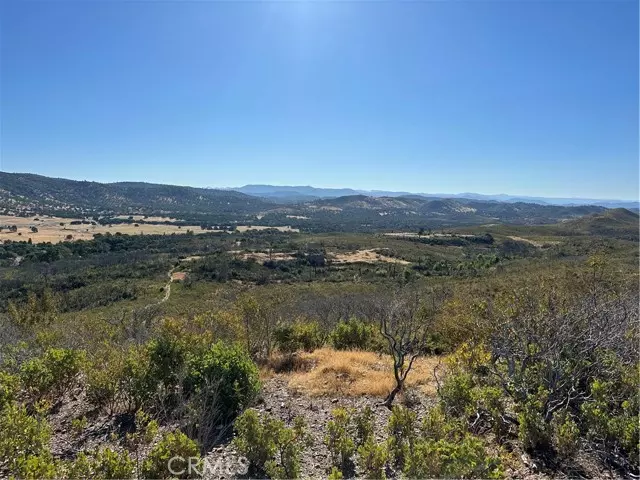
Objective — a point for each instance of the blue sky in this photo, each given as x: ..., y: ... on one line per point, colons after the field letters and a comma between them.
x: 521, y: 97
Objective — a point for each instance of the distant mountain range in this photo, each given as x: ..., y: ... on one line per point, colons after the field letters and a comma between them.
x: 307, y: 193
x: 305, y: 208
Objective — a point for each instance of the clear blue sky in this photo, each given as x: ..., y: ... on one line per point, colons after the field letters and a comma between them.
x: 521, y: 97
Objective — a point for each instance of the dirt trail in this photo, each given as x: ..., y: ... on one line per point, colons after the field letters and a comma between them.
x: 167, y: 291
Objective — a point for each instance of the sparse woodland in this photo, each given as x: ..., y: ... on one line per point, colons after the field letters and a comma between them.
x: 502, y: 352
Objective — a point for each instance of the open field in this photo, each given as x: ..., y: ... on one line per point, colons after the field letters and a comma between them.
x: 246, y: 228
x: 366, y: 256
x: 145, y: 218
x: 58, y: 229
x: 355, y: 373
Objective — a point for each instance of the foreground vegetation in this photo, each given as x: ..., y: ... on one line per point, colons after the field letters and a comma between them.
x: 501, y: 344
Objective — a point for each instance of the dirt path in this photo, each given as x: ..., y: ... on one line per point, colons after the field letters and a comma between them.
x: 167, y: 291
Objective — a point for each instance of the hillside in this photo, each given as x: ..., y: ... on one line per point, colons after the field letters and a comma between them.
x: 617, y: 223
x: 20, y: 192
x: 26, y: 194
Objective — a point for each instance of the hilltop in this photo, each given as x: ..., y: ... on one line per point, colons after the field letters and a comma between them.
x: 617, y: 222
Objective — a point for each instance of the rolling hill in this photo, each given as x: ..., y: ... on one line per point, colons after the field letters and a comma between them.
x: 20, y: 192
x: 26, y: 194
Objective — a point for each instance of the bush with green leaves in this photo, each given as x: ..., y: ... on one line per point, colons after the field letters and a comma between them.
x: 105, y: 463
x: 9, y: 387
x: 269, y: 445
x: 23, y: 437
x: 353, y: 334
x: 339, y: 439
x: 173, y: 445
x: 254, y: 438
x: 305, y: 336
x: 463, y: 458
x: 401, y: 429
x: 566, y: 435
x: 290, y: 443
x: 363, y: 421
x: 233, y: 371
x: 534, y: 432
x: 53, y: 374
x: 373, y: 458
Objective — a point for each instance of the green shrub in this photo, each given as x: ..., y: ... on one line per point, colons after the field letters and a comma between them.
x: 22, y: 436
x: 37, y: 466
x: 254, y: 439
x: 455, y: 392
x: 339, y: 439
x: 464, y: 458
x: 298, y: 336
x: 335, y: 474
x: 353, y: 334
x: 363, y: 421
x: 566, y: 435
x: 372, y: 459
x: 9, y: 387
x: 174, y: 444
x: 436, y: 426
x: 107, y: 464
x: 290, y: 443
x: 136, y: 385
x: 269, y: 446
x: 52, y: 374
x: 233, y: 372
x: 401, y: 428
x: 533, y: 431
x: 103, y: 382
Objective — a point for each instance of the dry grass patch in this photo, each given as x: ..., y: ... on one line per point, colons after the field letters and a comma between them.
x: 246, y: 228
x: 58, y: 229
x: 366, y: 256
x: 355, y: 373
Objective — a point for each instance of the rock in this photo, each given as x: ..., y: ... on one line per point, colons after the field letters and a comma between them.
x: 334, y: 400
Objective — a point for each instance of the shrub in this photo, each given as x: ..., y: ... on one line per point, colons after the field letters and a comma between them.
x: 299, y: 336
x: 338, y: 439
x: 52, y: 374
x: 23, y: 437
x: 9, y: 386
x: 372, y: 459
x: 401, y: 433
x: 37, y: 466
x: 335, y: 474
x: 464, y: 458
x: 105, y: 464
x: 103, y: 382
x: 174, y: 444
x: 290, y: 442
x: 566, y: 435
x: 533, y: 431
x: 78, y: 425
x: 353, y: 334
x: 455, y: 392
x: 254, y: 439
x: 269, y: 445
x: 436, y: 426
x: 234, y: 373
x: 364, y: 424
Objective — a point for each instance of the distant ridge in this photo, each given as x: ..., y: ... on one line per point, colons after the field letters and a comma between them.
x: 307, y: 192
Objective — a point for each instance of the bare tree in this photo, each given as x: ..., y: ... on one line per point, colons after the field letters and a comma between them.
x: 404, y: 324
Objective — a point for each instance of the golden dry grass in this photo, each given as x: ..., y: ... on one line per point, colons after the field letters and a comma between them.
x: 50, y: 230
x: 355, y: 373
x: 365, y: 256
x: 246, y: 228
